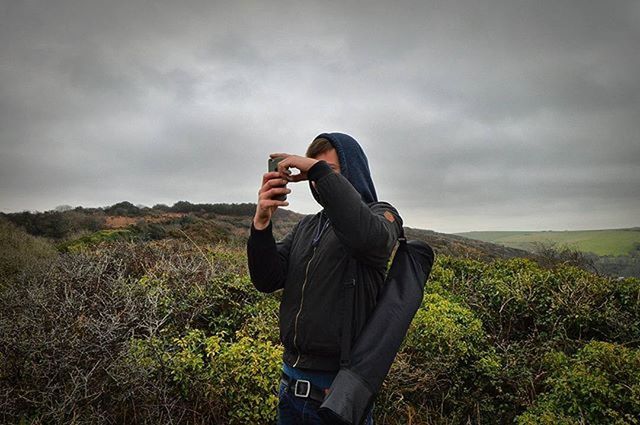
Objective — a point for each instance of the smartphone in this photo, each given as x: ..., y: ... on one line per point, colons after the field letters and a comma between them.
x: 273, y: 166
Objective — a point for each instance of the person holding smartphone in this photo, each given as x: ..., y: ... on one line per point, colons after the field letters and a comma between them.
x: 352, y: 236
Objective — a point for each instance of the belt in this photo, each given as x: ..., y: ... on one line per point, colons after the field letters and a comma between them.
x: 303, y: 388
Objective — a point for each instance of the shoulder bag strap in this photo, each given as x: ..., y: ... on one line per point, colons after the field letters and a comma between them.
x: 349, y: 292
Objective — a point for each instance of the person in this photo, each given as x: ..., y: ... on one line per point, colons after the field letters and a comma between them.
x: 311, y: 263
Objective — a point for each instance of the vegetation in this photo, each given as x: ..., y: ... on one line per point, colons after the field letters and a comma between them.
x: 612, y: 242
x: 64, y: 223
x: 609, y: 252
x: 20, y: 251
x: 126, y: 328
x: 76, y: 228
x: 599, y: 385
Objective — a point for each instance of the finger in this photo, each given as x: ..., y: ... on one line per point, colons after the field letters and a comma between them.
x: 279, y: 155
x: 269, y: 194
x: 276, y: 182
x: 279, y: 191
x: 297, y: 177
x: 267, y: 203
x: 272, y: 183
x: 284, y: 165
x: 268, y: 176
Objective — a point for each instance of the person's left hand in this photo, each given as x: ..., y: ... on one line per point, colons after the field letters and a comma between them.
x: 302, y: 163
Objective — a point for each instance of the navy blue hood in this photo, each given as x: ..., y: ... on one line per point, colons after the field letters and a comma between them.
x: 353, y: 165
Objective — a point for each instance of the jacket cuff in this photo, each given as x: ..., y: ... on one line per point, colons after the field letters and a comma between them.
x: 319, y: 170
x: 262, y: 236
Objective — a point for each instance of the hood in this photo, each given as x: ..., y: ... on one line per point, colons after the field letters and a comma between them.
x: 353, y: 166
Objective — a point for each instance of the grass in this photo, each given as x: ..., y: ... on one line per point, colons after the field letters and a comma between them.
x: 600, y: 242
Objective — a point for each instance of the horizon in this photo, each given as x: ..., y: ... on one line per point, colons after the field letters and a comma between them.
x: 296, y: 212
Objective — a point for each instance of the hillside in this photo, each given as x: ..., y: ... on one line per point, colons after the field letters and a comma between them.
x: 459, y: 246
x: 599, y: 242
x: 442, y: 243
x: 74, y: 229
x: 612, y: 252
x: 205, y: 223
x: 135, y: 323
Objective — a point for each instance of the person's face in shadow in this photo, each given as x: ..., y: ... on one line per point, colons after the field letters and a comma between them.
x: 331, y: 157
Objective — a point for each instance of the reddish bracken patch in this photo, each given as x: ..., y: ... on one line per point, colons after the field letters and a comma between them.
x: 118, y: 221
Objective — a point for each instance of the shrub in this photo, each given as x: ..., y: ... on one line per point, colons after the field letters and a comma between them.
x: 58, y: 224
x: 124, y: 208
x: 250, y: 371
x: 526, y: 312
x: 59, y: 333
x: 262, y: 320
x: 65, y: 331
x: 444, y: 353
x: 443, y: 334
x: 220, y: 382
x: 20, y: 251
x: 173, y: 331
x: 96, y: 238
x: 600, y: 384
x: 517, y: 300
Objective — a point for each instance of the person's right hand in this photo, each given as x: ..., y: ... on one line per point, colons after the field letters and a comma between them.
x: 272, y: 186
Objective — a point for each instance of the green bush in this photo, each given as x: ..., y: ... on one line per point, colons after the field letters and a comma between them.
x: 65, y: 332
x: 262, y: 320
x: 448, y: 374
x: 600, y: 384
x: 173, y: 331
x: 88, y: 241
x: 250, y: 371
x: 437, y: 372
x: 58, y: 224
x: 443, y: 334
x: 223, y: 382
x: 517, y: 300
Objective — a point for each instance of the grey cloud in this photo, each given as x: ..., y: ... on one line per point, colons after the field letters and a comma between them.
x: 483, y: 114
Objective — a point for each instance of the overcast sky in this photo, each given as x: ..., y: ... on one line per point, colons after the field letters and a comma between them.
x: 476, y: 115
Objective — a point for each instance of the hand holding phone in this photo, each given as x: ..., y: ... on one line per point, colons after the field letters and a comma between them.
x: 272, y: 194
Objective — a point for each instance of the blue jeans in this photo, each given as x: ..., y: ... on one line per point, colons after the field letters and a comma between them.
x: 294, y: 410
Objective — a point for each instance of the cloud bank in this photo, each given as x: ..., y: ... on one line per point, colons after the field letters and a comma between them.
x: 475, y: 115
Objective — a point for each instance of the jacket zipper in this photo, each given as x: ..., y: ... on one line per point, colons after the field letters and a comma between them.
x: 295, y: 328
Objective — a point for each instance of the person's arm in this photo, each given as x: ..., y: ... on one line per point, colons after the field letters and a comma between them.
x: 368, y: 233
x: 268, y: 259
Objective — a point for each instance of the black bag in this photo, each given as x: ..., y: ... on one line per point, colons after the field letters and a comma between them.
x: 364, y: 368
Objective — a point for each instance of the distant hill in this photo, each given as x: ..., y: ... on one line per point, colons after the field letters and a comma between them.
x: 203, y: 223
x: 442, y: 243
x: 599, y: 242
x: 459, y: 246
x: 71, y: 229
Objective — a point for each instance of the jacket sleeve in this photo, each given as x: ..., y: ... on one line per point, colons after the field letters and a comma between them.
x: 268, y: 260
x: 369, y: 233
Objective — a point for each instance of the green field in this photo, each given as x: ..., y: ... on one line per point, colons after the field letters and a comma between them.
x: 601, y: 242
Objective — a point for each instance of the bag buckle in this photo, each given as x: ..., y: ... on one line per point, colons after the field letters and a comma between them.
x: 304, y: 390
